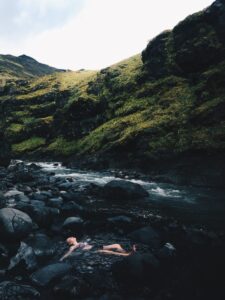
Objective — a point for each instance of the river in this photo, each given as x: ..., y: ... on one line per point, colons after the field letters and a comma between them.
x: 193, y: 205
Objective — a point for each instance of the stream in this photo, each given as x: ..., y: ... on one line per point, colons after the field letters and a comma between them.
x: 193, y: 205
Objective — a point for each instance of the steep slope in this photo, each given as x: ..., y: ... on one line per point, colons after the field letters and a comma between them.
x: 163, y: 111
x: 23, y: 67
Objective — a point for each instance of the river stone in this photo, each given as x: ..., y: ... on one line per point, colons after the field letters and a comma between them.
x: 49, y: 273
x: 14, y: 224
x: 118, y: 190
x: 137, y: 268
x: 2, y: 200
x: 74, y: 223
x: 25, y: 257
x: 22, y: 197
x: 12, y: 291
x: 146, y: 235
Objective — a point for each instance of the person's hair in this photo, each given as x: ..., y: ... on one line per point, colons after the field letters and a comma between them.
x: 70, y: 240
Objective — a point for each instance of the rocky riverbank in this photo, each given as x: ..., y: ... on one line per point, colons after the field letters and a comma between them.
x: 39, y: 210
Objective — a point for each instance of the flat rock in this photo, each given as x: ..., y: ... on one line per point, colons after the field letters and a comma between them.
x: 47, y: 274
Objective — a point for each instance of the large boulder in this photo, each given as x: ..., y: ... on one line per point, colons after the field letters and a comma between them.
x: 50, y: 273
x: 25, y: 259
x: 123, y: 190
x: 14, y: 291
x: 74, y: 224
x: 146, y: 235
x: 136, y: 269
x: 14, y: 224
x: 41, y: 214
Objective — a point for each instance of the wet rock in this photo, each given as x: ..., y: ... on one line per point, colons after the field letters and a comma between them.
x: 71, y: 287
x: 25, y: 258
x: 34, y: 166
x: 137, y: 268
x: 71, y: 208
x: 12, y: 193
x: 42, y: 245
x: 55, y: 202
x: 38, y: 203
x: 50, y: 273
x: 22, y: 198
x: 23, y: 176
x: 14, y: 224
x: 40, y: 196
x: 167, y: 251
x: 41, y: 214
x: 2, y: 200
x: 12, y: 291
x: 75, y: 224
x: 66, y: 185
x: 121, y: 222
x: 120, y: 190
x: 146, y: 235
x: 3, y: 255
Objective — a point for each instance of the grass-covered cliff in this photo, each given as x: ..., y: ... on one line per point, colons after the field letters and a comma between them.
x: 165, y: 105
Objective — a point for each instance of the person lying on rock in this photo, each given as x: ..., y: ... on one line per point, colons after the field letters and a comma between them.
x: 114, y: 249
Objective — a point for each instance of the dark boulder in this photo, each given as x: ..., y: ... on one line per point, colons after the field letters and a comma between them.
x: 71, y: 208
x: 136, y: 269
x: 42, y: 245
x: 120, y: 222
x: 24, y: 259
x: 4, y: 255
x: 146, y: 235
x: 167, y: 251
x: 41, y: 214
x: 22, y: 198
x: 55, y: 202
x: 50, y: 273
x: 119, y: 190
x: 14, y: 224
x: 2, y: 200
x: 14, y: 291
x: 71, y: 287
x: 75, y: 224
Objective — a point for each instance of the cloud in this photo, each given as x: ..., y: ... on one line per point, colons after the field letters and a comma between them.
x: 22, y: 18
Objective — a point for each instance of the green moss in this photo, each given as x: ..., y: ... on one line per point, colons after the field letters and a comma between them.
x: 62, y: 147
x: 28, y: 145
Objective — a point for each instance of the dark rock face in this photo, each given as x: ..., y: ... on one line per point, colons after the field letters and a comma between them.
x: 14, y: 224
x: 120, y: 190
x: 14, y: 291
x: 49, y: 273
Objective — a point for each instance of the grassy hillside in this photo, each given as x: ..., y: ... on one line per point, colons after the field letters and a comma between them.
x: 165, y: 104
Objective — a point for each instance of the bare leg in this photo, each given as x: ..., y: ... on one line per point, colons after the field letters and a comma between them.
x: 114, y: 247
x: 109, y: 252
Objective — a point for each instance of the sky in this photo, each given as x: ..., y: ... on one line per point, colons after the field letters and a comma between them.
x: 86, y: 34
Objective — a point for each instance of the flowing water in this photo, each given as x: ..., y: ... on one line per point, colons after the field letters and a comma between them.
x: 202, y: 206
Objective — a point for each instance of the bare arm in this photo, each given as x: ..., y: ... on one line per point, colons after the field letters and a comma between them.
x: 68, y: 252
